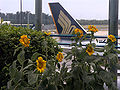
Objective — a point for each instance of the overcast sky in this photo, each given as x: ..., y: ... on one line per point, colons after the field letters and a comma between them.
x: 79, y: 9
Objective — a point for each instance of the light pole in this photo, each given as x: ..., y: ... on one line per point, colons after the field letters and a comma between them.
x: 113, y: 25
x: 38, y: 14
x: 113, y: 17
x: 28, y: 17
x: 0, y: 17
x: 21, y: 12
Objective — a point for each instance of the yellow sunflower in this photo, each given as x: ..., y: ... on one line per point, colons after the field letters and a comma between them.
x: 59, y: 56
x: 78, y: 32
x: 24, y: 40
x: 90, y: 50
x: 41, y: 64
x: 112, y: 38
x: 92, y: 28
x: 47, y: 33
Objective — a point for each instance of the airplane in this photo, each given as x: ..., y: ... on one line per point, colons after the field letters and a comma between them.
x: 64, y: 22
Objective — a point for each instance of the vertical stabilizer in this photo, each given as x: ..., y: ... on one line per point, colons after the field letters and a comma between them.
x: 63, y: 21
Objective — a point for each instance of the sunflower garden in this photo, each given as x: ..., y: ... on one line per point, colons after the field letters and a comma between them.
x: 33, y: 60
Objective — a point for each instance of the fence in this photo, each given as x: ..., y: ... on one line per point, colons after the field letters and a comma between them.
x: 61, y: 35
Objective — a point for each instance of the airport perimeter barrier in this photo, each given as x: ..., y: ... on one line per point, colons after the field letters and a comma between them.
x: 69, y: 35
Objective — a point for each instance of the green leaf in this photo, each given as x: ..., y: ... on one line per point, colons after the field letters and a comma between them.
x: 14, y: 64
x: 44, y: 82
x: 19, y: 87
x: 105, y: 76
x: 17, y: 77
x: 51, y: 87
x: 12, y: 70
x: 90, y: 58
x: 36, y: 55
x: 99, y: 49
x: 113, y: 58
x: 21, y: 57
x: 32, y: 78
x: 17, y: 50
x: 44, y: 43
x: 27, y: 66
x: 93, y: 45
x: 30, y: 61
x: 9, y: 84
x: 24, y: 83
x: 74, y: 44
x: 28, y: 88
x: 118, y: 51
x: 97, y: 86
x: 113, y: 86
x: 11, y: 88
x: 77, y: 85
x: 63, y: 65
x: 68, y: 57
x: 87, y: 79
x: 98, y: 59
x: 118, y: 66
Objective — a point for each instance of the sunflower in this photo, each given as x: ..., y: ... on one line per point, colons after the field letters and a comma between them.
x: 59, y: 56
x: 90, y: 50
x: 78, y: 32
x: 92, y: 28
x: 112, y: 38
x: 47, y: 33
x: 24, y: 40
x: 41, y: 64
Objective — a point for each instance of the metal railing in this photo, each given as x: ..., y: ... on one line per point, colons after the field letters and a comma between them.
x: 69, y: 35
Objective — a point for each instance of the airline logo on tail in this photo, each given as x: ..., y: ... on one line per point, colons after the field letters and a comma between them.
x: 64, y: 23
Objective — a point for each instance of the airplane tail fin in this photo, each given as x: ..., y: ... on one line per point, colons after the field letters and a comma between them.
x: 63, y: 21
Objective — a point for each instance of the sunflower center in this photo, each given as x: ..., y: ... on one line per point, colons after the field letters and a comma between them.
x: 25, y: 40
x: 90, y: 49
x: 112, y: 38
x: 60, y: 56
x: 40, y: 65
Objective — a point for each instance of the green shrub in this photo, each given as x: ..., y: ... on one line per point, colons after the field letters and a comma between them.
x: 40, y: 66
x: 9, y: 41
x: 83, y: 68
x: 92, y: 67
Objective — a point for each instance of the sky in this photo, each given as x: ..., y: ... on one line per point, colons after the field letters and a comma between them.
x: 79, y: 9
